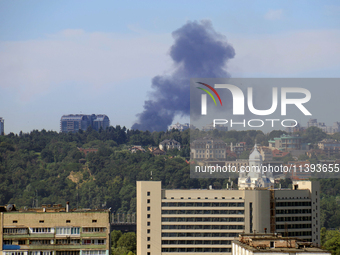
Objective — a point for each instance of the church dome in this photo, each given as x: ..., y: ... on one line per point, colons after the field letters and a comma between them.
x: 255, y: 155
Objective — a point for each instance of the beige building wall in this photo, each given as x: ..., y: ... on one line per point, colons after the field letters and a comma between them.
x: 194, y: 221
x: 51, y: 220
x: 149, y: 217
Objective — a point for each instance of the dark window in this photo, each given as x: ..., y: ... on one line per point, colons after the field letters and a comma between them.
x: 148, y: 208
x: 148, y: 216
x: 68, y: 221
x: 148, y: 193
x: 15, y: 221
x: 148, y: 223
x: 94, y: 221
x: 149, y: 238
x: 41, y: 221
x: 148, y: 231
x: 148, y: 201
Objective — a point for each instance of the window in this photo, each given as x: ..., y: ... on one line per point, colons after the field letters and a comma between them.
x: 148, y: 223
x: 15, y: 231
x: 13, y: 252
x: 40, y: 242
x: 15, y: 221
x: 94, y: 221
x: 41, y: 230
x: 68, y: 221
x: 94, y: 241
x: 67, y: 252
x: 148, y: 193
x: 148, y: 208
x: 94, y: 230
x: 148, y: 231
x: 41, y: 221
x: 148, y: 246
x: 148, y: 201
x: 103, y: 252
x: 149, y: 238
x: 67, y: 231
x: 22, y: 242
x: 148, y: 216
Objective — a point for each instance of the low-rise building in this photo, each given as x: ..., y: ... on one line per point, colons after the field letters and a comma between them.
x: 329, y: 146
x: 136, y: 148
x: 273, y: 244
x: 170, y: 145
x: 238, y: 148
x: 208, y: 148
x: 286, y: 143
x: 54, y: 231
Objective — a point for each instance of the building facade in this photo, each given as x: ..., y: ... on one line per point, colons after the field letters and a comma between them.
x: 286, y: 143
x: 54, y: 231
x: 208, y: 148
x: 2, y: 126
x: 75, y: 122
x: 169, y: 145
x: 206, y: 221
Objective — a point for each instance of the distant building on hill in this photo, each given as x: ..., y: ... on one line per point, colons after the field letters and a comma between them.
x: 170, y: 144
x: 179, y: 126
x: 75, y: 122
x: 2, y: 126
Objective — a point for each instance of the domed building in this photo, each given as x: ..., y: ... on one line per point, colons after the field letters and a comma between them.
x: 253, y: 176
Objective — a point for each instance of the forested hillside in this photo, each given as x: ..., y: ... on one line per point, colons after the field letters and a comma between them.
x: 47, y: 168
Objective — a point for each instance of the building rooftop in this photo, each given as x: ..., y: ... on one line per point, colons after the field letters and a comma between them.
x: 263, y: 242
x: 47, y: 209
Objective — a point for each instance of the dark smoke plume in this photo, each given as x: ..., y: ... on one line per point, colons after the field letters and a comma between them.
x: 198, y: 51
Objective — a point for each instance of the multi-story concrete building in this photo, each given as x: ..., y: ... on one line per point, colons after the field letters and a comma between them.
x: 208, y: 148
x: 286, y: 143
x: 2, y: 126
x: 54, y: 231
x: 329, y: 146
x: 238, y: 148
x: 273, y: 244
x: 206, y: 221
x: 74, y: 123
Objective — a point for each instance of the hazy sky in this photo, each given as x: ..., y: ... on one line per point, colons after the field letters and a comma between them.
x: 62, y: 57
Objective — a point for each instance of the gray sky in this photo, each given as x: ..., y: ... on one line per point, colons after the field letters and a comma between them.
x: 63, y: 57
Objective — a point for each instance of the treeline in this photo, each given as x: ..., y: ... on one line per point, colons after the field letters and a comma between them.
x: 45, y: 167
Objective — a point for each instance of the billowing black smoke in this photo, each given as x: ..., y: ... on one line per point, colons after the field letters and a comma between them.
x: 198, y: 51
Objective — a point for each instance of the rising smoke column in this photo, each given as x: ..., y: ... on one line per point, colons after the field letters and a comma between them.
x: 198, y: 51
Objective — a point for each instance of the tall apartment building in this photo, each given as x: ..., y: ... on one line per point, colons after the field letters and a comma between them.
x: 206, y: 221
x: 2, y: 126
x: 74, y: 123
x: 54, y: 231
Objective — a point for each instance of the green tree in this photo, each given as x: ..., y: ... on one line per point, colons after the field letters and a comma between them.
x: 128, y: 241
x: 115, y: 235
x: 332, y: 241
